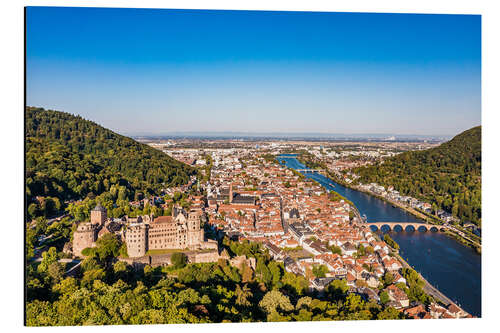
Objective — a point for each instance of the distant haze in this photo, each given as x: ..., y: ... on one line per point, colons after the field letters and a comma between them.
x: 322, y: 136
x: 143, y: 71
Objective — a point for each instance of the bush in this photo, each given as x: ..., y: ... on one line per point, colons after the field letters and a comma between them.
x: 384, y: 297
x: 179, y: 260
x: 391, y: 242
x: 89, y: 252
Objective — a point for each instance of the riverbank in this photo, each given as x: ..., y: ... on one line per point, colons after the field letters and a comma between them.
x: 328, y: 175
x: 397, y: 204
x: 464, y: 241
x: 451, y: 231
x: 447, y: 263
x: 428, y: 287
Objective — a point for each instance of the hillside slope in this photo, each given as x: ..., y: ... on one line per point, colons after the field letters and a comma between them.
x: 448, y: 176
x: 68, y: 157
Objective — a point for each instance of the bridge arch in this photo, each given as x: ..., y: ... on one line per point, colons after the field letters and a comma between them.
x: 410, y: 227
x: 420, y: 227
x: 394, y: 226
x: 386, y: 225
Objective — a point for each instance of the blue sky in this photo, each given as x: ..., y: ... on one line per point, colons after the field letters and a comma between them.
x: 140, y: 71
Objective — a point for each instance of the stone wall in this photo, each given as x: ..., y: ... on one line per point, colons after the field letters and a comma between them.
x: 237, y: 261
x: 165, y: 259
x: 202, y: 257
x: 209, y: 244
x: 161, y: 260
x: 137, y: 263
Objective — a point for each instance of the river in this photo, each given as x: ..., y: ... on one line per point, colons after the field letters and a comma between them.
x: 453, y: 268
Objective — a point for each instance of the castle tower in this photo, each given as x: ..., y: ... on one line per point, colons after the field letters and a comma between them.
x: 136, y: 238
x: 98, y: 215
x: 193, y: 222
x: 84, y: 236
x: 194, y: 231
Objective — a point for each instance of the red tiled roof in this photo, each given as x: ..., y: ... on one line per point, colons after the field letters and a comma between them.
x: 163, y: 219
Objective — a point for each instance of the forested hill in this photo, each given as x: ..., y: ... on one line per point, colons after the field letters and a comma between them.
x: 68, y: 157
x: 448, y: 176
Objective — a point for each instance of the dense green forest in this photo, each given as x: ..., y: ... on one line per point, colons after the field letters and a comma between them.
x: 70, y: 158
x: 107, y: 291
x: 448, y: 176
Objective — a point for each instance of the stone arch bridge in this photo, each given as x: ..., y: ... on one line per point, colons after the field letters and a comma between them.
x: 404, y: 225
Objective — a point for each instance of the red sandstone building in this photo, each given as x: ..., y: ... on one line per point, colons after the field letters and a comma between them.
x: 180, y: 231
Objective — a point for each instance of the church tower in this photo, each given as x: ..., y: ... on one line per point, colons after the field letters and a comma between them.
x: 231, y: 193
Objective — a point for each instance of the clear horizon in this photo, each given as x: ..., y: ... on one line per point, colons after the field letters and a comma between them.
x: 162, y: 71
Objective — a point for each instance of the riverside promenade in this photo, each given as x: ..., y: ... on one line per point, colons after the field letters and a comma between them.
x: 450, y: 228
x: 429, y: 288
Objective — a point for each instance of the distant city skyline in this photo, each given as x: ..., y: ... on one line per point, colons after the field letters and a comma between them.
x: 154, y: 71
x: 284, y: 135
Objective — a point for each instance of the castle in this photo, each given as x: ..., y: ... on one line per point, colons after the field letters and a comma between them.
x: 180, y: 231
x: 86, y: 233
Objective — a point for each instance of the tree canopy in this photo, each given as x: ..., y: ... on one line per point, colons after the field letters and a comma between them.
x: 448, y: 176
x: 70, y: 158
x: 106, y: 291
